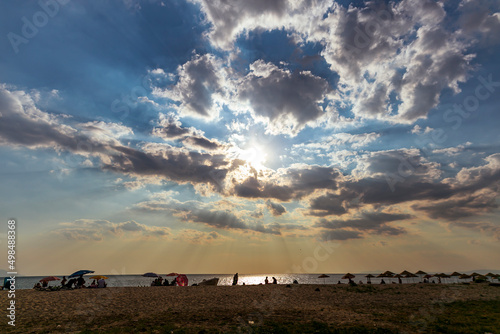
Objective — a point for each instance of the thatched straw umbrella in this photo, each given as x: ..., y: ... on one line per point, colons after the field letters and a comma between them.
x: 348, y: 276
x: 368, y: 278
x: 420, y: 273
x: 456, y: 274
x: 324, y: 277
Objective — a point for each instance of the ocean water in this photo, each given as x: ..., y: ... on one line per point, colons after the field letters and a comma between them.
x: 27, y: 282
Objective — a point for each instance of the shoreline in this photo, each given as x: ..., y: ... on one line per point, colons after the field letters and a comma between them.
x: 233, y: 308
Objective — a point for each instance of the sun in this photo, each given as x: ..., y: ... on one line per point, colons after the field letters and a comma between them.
x: 255, y: 155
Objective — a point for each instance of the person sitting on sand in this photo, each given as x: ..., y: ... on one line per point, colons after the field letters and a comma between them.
x: 37, y: 286
x: 382, y: 281
x: 165, y: 282
x: 174, y: 282
x: 45, y: 284
x: 295, y: 281
x: 101, y: 283
x: 275, y: 281
x: 70, y: 283
x: 93, y: 284
x: 63, y: 282
x: 80, y: 283
x: 266, y: 280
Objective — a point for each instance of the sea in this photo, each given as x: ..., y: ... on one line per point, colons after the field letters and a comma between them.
x: 27, y: 282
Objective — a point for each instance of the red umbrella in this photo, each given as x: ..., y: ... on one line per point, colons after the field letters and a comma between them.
x: 49, y: 278
x: 182, y: 280
x: 173, y: 274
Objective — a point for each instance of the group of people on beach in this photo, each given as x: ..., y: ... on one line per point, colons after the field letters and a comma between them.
x: 163, y: 282
x: 74, y: 283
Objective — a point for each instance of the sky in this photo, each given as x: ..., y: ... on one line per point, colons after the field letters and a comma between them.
x: 256, y: 136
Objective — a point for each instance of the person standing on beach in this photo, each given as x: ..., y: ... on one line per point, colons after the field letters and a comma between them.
x: 63, y: 282
x: 266, y: 280
x: 235, y: 279
x: 275, y: 281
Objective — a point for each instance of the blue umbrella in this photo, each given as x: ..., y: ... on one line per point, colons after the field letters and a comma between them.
x: 80, y: 272
x: 150, y: 275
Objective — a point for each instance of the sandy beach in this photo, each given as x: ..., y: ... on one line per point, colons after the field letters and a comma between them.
x: 394, y: 308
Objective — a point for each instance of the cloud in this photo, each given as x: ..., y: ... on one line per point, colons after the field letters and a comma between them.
x: 230, y: 18
x: 276, y: 209
x: 285, y: 101
x: 353, y: 141
x: 198, y: 88
x: 460, y: 207
x: 372, y: 222
x: 202, y: 142
x: 339, y: 235
x: 288, y: 183
x: 201, y: 213
x: 199, y: 237
x: 98, y: 230
x: 170, y: 127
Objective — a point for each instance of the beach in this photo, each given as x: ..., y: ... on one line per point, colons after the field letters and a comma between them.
x: 410, y: 308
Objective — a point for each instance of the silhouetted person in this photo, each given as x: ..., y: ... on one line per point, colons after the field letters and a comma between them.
x: 63, y: 282
x: 275, y: 281
x: 235, y: 279
x: 266, y: 280
x: 382, y: 281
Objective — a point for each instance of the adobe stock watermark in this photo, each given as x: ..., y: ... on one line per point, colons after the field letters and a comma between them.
x: 455, y: 117
x: 30, y: 26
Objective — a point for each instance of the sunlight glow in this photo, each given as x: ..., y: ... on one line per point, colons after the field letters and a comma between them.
x: 255, y: 156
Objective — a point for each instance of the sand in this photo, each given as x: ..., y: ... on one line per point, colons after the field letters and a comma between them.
x: 238, y: 308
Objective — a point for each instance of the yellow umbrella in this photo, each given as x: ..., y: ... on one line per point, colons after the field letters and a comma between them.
x: 98, y: 277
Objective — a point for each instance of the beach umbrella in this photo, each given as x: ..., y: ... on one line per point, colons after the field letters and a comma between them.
x: 389, y: 274
x: 405, y: 273
x: 410, y: 275
x: 80, y: 273
x: 99, y: 277
x: 420, y: 272
x: 150, y: 275
x: 455, y: 274
x: 369, y: 278
x: 323, y: 276
x: 182, y: 280
x: 173, y: 274
x: 348, y: 276
x: 464, y: 276
x: 49, y: 278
